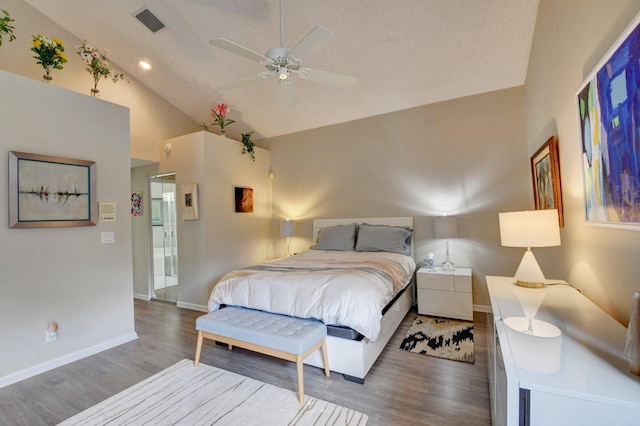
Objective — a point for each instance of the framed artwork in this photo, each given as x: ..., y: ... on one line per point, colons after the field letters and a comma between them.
x: 156, y: 211
x: 189, y: 194
x: 608, y: 113
x: 244, y: 200
x: 47, y: 191
x: 545, y: 171
x: 136, y: 204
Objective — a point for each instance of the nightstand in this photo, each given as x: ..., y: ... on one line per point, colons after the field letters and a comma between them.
x: 445, y: 293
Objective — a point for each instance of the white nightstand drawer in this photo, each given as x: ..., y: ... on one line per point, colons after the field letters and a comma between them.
x: 445, y: 304
x: 435, y: 281
x: 445, y: 293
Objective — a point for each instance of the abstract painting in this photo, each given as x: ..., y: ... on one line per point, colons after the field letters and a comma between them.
x: 608, y: 105
x: 545, y: 170
x: 46, y: 191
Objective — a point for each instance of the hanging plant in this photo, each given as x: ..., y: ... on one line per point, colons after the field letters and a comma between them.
x: 5, y: 26
x: 248, y: 145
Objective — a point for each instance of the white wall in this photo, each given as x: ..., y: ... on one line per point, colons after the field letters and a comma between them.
x: 221, y: 239
x: 63, y: 274
x: 571, y: 37
x: 152, y: 118
x: 466, y: 157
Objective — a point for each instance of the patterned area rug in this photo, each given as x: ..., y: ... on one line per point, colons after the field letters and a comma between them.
x: 442, y: 338
x: 187, y: 395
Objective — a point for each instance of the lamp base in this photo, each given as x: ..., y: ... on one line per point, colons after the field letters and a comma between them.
x: 529, y: 284
x: 448, y: 265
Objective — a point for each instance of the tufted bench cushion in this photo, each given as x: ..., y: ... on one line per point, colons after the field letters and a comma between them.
x: 281, y: 336
x: 289, y: 334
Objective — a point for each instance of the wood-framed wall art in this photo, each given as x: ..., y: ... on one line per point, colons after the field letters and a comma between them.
x: 47, y: 191
x: 189, y: 197
x: 545, y: 172
x: 608, y: 116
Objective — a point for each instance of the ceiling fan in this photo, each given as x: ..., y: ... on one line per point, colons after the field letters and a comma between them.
x: 284, y: 62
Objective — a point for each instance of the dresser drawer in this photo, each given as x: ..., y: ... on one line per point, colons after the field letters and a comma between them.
x: 445, y: 304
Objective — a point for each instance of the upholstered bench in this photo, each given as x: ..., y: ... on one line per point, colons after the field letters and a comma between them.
x: 289, y: 338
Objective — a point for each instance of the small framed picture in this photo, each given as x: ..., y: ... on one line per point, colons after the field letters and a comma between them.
x: 189, y: 193
x: 545, y: 170
x: 244, y: 200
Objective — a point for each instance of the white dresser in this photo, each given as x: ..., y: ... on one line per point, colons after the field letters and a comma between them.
x: 445, y: 293
x: 579, y: 378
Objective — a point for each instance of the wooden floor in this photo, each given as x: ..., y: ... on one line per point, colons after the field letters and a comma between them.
x: 402, y: 388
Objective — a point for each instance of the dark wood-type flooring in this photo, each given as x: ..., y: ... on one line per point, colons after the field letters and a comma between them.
x: 402, y: 388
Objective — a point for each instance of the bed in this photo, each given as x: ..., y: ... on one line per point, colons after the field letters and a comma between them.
x: 357, y: 278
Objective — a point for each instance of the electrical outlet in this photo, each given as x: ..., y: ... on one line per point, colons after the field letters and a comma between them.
x: 50, y: 336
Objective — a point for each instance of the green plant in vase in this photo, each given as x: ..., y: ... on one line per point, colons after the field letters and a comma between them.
x: 97, y: 65
x: 50, y: 54
x: 5, y: 26
x: 248, y: 146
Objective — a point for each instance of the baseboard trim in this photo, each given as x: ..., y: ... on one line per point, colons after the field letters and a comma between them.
x: 192, y: 306
x: 59, y: 362
x: 141, y: 296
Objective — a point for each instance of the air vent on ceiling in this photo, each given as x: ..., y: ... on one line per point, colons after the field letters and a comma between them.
x: 149, y: 20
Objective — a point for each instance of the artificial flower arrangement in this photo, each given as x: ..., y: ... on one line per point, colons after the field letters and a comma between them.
x: 248, y: 145
x: 219, y: 115
x: 5, y: 26
x: 49, y: 54
x: 97, y: 65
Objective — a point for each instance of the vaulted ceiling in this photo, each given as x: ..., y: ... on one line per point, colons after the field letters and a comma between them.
x: 403, y: 53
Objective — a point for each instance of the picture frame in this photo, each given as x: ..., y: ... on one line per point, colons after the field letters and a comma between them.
x: 48, y: 191
x: 136, y: 203
x: 545, y: 173
x: 189, y: 196
x: 157, y: 214
x: 605, y: 104
x: 243, y: 199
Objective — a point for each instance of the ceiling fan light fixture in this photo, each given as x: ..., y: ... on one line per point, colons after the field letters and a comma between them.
x: 283, y: 73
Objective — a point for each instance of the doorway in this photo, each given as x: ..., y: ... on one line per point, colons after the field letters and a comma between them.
x: 164, y: 242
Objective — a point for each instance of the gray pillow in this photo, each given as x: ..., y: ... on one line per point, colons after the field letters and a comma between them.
x: 341, y: 237
x: 393, y: 239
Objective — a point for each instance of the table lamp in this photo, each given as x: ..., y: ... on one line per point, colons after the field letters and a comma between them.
x: 287, y: 229
x: 447, y: 227
x: 537, y: 228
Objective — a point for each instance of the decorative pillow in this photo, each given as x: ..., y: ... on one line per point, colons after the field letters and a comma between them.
x: 341, y: 237
x: 393, y: 239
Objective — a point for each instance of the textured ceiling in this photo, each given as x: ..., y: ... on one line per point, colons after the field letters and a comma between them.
x: 404, y: 53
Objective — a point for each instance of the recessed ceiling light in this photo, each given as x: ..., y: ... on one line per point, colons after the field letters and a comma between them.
x: 145, y: 65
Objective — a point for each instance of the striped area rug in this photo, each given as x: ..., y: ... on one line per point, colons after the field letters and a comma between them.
x: 187, y: 395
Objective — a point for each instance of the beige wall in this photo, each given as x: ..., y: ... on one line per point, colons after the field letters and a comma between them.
x: 63, y: 274
x: 466, y: 157
x: 152, y: 118
x: 220, y: 239
x: 571, y: 37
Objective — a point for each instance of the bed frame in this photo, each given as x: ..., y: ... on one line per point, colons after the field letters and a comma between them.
x: 354, y: 358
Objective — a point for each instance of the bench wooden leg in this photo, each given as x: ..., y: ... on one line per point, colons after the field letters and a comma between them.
x: 198, y: 349
x: 325, y: 358
x: 299, y: 367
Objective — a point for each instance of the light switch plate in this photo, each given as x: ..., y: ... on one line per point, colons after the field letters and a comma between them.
x: 107, y: 237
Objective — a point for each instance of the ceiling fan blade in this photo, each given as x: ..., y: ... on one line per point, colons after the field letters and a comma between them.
x: 328, y: 77
x: 237, y: 49
x: 288, y: 93
x: 242, y: 81
x: 316, y: 40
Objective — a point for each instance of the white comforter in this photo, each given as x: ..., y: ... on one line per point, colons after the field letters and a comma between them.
x: 338, y: 287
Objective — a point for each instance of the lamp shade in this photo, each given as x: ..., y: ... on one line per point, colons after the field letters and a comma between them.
x: 537, y: 228
x: 446, y: 227
x: 287, y: 228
